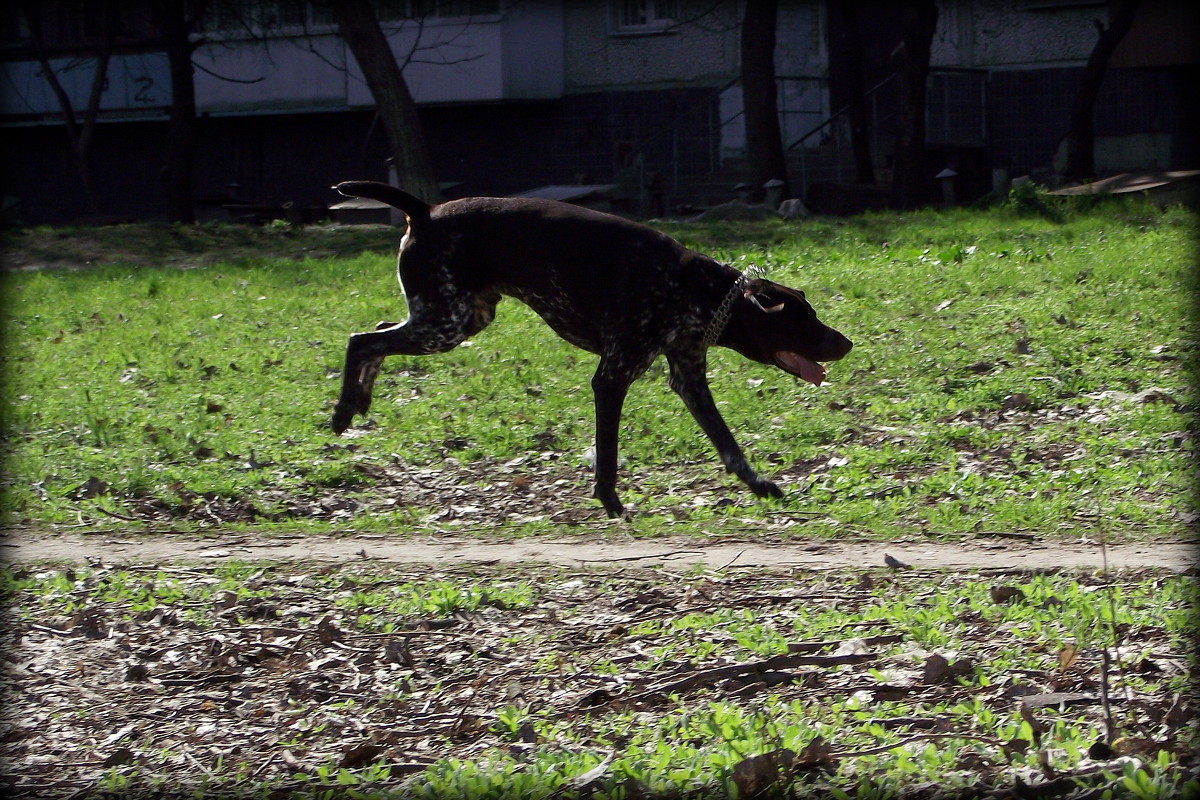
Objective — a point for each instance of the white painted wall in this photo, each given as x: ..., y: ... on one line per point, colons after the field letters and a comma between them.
x: 538, y: 49
x: 137, y: 82
x: 276, y: 75
x: 801, y: 61
x: 516, y: 55
x: 1005, y: 34
x: 599, y: 57
x: 533, y: 50
x: 505, y: 57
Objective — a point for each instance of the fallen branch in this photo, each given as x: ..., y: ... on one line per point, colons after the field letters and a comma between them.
x: 635, y: 558
x: 883, y: 748
x: 750, y: 668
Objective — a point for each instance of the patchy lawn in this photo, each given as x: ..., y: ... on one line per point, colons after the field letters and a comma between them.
x: 253, y: 680
x: 1012, y: 371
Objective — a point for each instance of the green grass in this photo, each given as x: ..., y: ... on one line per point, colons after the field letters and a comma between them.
x: 471, y: 684
x: 994, y: 385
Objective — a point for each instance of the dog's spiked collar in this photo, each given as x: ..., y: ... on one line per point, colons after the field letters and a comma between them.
x: 725, y: 310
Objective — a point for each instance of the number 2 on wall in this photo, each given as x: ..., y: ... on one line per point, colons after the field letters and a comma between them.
x: 144, y: 85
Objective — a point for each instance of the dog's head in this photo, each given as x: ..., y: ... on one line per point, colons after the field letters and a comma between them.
x: 774, y: 324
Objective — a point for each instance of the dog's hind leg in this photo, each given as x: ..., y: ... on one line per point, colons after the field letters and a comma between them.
x: 432, y: 331
x: 370, y: 368
x: 609, y: 389
x: 689, y: 382
x: 617, y: 370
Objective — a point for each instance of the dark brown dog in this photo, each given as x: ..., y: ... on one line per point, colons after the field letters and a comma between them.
x: 610, y: 286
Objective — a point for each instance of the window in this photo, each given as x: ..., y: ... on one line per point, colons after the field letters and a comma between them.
x: 1051, y: 5
x: 263, y: 16
x: 395, y: 10
x: 70, y: 25
x: 637, y: 16
x: 286, y: 16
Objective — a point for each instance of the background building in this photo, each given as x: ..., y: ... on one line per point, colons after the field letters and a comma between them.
x: 515, y: 95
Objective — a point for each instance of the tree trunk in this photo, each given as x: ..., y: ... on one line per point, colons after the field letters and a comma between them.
x: 912, y: 63
x: 359, y: 29
x: 764, y: 142
x: 174, y: 29
x: 847, y: 82
x: 79, y: 134
x: 1080, y: 140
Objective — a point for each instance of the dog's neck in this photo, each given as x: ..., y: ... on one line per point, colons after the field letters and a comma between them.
x: 720, y: 319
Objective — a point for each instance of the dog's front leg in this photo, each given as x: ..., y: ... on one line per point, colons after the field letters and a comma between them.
x: 688, y: 380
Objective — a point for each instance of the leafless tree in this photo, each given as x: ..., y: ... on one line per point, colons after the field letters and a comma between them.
x: 359, y: 28
x: 911, y: 60
x: 847, y: 81
x: 174, y: 26
x: 175, y: 21
x: 80, y: 123
x: 764, y: 141
x: 1080, y: 139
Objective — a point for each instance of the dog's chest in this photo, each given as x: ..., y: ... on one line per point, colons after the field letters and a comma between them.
x: 645, y: 321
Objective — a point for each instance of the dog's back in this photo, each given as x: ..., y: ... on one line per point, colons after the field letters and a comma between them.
x: 590, y: 275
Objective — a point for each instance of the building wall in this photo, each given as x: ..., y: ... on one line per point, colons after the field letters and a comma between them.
x: 591, y: 103
x: 1035, y: 54
x: 1144, y: 118
x: 514, y: 56
x: 1007, y: 34
x: 138, y: 85
x: 272, y: 159
x: 599, y: 58
x: 508, y: 57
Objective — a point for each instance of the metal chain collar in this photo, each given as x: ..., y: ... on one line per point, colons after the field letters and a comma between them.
x: 725, y: 310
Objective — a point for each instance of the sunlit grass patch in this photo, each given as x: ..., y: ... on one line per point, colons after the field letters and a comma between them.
x: 1010, y: 371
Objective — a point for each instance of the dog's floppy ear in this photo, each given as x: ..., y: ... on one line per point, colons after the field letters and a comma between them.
x: 758, y: 299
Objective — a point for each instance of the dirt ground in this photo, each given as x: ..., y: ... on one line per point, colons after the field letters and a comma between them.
x: 604, y: 546
x: 285, y: 682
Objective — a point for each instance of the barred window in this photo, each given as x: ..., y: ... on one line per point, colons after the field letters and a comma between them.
x: 395, y: 10
x: 646, y: 15
x: 274, y: 15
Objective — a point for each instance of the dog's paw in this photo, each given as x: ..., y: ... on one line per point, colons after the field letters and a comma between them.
x: 766, y: 489
x: 612, y: 504
x: 353, y: 400
x: 341, y: 419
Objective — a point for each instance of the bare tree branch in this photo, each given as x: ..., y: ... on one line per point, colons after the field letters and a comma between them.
x: 79, y: 133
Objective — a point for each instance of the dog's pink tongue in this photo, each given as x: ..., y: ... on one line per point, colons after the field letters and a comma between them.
x: 797, y: 364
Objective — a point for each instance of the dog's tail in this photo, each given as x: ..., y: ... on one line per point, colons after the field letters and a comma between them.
x: 416, y: 209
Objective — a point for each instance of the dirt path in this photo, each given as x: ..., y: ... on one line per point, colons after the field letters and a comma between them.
x: 600, y: 549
